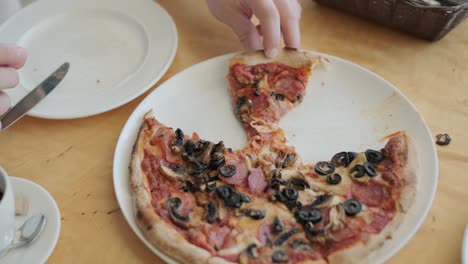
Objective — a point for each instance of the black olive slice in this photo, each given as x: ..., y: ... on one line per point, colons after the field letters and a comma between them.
x: 179, y: 137
x: 245, y: 198
x: 279, y: 97
x: 223, y: 191
x: 228, y: 170
x: 283, y: 238
x: 357, y: 171
x: 189, y: 147
x: 233, y: 200
x: 443, y: 139
x: 340, y: 159
x: 369, y: 168
x: 351, y: 156
x: 352, y: 207
x: 373, y: 156
x: 214, y: 164
x: 210, y: 187
x: 310, y: 215
x: 334, y: 179
x: 319, y: 200
x: 277, y: 225
x: 211, y: 212
x: 299, y: 97
x: 290, y: 194
x: 324, y: 168
x: 279, y: 256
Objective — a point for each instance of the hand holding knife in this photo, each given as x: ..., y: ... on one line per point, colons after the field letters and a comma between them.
x: 34, y: 97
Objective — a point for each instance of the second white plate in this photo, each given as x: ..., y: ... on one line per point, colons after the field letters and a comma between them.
x: 117, y: 50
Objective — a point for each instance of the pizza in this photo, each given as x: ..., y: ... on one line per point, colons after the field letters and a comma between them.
x: 202, y: 202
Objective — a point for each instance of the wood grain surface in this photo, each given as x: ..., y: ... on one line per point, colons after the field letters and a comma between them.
x: 72, y: 159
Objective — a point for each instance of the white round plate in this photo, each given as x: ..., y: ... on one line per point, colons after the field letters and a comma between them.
x: 40, y: 202
x: 117, y: 50
x: 346, y: 108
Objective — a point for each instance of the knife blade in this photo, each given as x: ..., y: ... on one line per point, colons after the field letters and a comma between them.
x: 34, y: 97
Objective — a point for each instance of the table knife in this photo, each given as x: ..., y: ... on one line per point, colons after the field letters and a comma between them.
x: 34, y: 97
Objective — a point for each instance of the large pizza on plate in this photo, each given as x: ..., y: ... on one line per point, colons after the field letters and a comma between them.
x: 202, y: 202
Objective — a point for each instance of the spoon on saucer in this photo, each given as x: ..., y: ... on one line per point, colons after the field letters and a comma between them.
x: 28, y: 232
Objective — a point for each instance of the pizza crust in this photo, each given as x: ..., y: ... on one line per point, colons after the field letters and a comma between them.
x: 154, y: 228
x: 287, y: 56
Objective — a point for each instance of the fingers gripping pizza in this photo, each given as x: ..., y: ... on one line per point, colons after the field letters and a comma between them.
x: 202, y: 202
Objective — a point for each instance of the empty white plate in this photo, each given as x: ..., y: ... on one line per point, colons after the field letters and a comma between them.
x: 346, y: 108
x: 117, y: 50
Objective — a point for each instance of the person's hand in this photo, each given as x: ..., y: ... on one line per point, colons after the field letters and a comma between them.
x: 278, y: 18
x: 12, y: 58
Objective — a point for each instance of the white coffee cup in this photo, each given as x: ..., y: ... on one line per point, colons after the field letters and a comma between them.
x: 7, y: 210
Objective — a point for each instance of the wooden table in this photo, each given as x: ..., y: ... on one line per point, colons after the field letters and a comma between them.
x: 73, y: 159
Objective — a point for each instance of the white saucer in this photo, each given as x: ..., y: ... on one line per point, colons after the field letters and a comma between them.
x: 40, y: 201
x: 117, y: 50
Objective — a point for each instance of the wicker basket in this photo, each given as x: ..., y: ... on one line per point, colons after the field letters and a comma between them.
x: 427, y: 22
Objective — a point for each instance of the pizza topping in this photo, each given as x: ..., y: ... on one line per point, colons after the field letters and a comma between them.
x: 228, y: 170
x: 190, y: 187
x: 223, y: 192
x: 229, y: 196
x: 340, y: 159
x: 352, y: 207
x: 369, y: 168
x: 352, y: 156
x: 279, y: 256
x: 323, y: 200
x: 290, y: 194
x: 178, y: 141
x: 252, y: 213
x: 209, y: 187
x: 283, y: 238
x: 245, y: 198
x: 290, y: 87
x: 374, y: 156
x: 301, y: 245
x: 334, y: 179
x: 443, y: 139
x: 337, y: 214
x: 288, y: 160
x: 278, y: 97
x: 357, y: 171
x: 215, y: 163
x: 171, y: 174
x: 324, y: 168
x: 257, y: 182
x: 275, y: 183
x: 277, y: 225
x: 211, y: 212
x: 298, y: 183
x: 173, y: 204
x: 244, y: 106
x: 308, y: 215
x: 251, y: 251
x: 371, y: 195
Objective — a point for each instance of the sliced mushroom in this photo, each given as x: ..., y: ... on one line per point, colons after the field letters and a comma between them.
x: 288, y: 160
x: 298, y: 183
x: 248, y: 162
x: 170, y: 174
x: 249, y: 253
x: 315, y: 236
x: 337, y: 215
x: 173, y: 204
x: 205, y: 155
x: 323, y: 201
x: 289, y: 174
